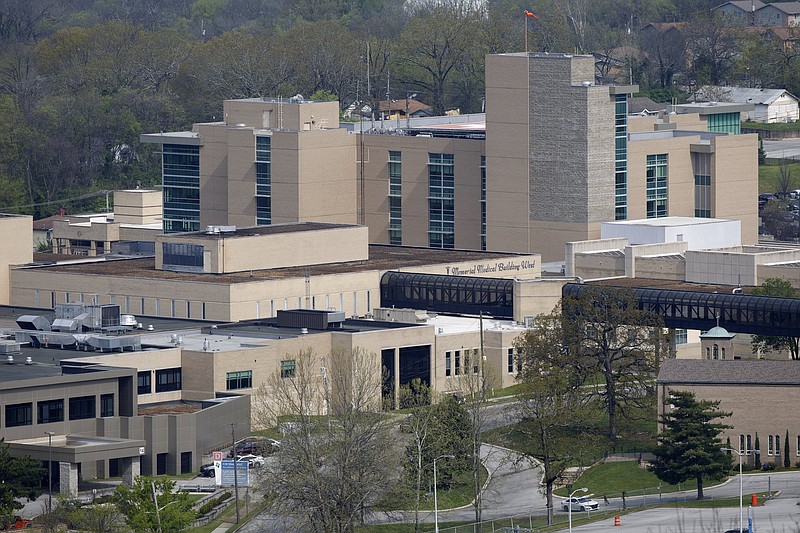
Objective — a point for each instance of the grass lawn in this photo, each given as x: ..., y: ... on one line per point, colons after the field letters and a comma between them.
x: 612, y: 478
x: 459, y: 494
x: 768, y: 177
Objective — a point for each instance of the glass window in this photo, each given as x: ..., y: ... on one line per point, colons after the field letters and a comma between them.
x: 182, y: 257
x: 447, y: 364
x: 161, y: 464
x: 476, y: 358
x: 106, y: 405
x: 621, y: 157
x: 20, y: 414
x: 144, y: 381
x: 777, y: 444
x: 770, y: 445
x: 263, y: 180
x: 395, y: 198
x: 441, y: 192
x: 186, y: 462
x: 681, y: 336
x: 288, y: 368
x: 82, y: 407
x: 701, y: 164
x: 239, y: 380
x: 168, y: 380
x: 511, y: 360
x: 458, y: 362
x: 50, y: 411
x: 656, y: 186
x: 181, y: 187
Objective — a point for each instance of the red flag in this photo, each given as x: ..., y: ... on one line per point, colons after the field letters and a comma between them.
x: 531, y: 15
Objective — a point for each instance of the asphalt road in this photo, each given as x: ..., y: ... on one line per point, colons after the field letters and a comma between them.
x: 782, y: 148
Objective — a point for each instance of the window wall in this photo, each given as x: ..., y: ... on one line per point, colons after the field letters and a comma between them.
x: 395, y: 198
x: 181, y: 181
x: 263, y: 180
x: 657, y: 186
x: 621, y: 157
x: 701, y: 164
x: 441, y: 192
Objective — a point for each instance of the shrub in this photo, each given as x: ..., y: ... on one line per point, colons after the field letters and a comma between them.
x: 210, y: 504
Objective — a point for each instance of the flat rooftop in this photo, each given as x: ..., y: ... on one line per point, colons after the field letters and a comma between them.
x: 666, y: 284
x: 253, y: 231
x: 667, y: 222
x: 381, y: 257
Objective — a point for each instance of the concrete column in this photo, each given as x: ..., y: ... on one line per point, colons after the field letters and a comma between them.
x: 131, y: 469
x: 68, y: 482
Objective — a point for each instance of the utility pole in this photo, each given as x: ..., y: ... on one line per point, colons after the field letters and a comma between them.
x: 235, y: 470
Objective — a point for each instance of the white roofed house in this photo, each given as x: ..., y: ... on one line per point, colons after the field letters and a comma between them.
x: 771, y: 105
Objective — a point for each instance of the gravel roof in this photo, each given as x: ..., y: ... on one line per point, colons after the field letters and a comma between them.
x: 733, y: 372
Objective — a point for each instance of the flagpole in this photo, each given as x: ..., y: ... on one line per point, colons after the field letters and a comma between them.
x: 525, y: 16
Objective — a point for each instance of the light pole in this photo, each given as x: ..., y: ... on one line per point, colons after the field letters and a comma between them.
x: 235, y: 468
x: 569, y: 504
x: 435, y: 501
x: 740, y: 453
x: 49, y: 470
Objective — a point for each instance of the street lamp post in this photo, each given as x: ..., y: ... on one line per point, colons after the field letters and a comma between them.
x: 740, y: 453
x: 435, y: 501
x: 569, y: 504
x: 49, y: 470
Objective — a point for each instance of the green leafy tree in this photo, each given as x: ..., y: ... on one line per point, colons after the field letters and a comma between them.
x: 609, y: 335
x: 551, y: 403
x: 22, y: 478
x: 167, y: 511
x: 689, y: 444
x: 765, y: 343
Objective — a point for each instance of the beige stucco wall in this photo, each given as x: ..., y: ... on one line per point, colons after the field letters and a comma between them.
x: 598, y: 265
x: 15, y: 249
x: 734, y: 179
x: 414, y: 200
x: 536, y: 297
x: 138, y: 206
x: 242, y: 252
x: 507, y: 153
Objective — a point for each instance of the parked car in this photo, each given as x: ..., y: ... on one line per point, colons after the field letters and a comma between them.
x: 253, y: 461
x: 765, y: 198
x: 208, y: 470
x: 17, y: 523
x: 581, y: 503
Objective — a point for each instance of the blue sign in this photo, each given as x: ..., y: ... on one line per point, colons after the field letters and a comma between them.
x: 242, y: 476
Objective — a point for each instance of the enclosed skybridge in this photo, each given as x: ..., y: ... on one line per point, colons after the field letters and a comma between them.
x: 460, y: 295
x: 738, y: 313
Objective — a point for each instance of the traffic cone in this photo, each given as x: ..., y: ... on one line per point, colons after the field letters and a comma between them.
x: 616, y: 521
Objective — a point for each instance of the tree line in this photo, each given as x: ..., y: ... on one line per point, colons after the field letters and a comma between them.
x: 79, y: 81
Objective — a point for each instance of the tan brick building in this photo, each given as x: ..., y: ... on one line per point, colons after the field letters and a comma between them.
x: 554, y: 156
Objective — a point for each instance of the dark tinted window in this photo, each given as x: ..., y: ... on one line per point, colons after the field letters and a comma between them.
x: 50, y: 411
x: 168, y: 380
x: 20, y: 414
x: 82, y: 407
x: 144, y: 382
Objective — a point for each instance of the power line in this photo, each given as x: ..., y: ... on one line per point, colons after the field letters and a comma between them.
x: 63, y: 200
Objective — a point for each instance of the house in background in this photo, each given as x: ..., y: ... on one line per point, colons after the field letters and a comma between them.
x: 771, y: 105
x: 740, y: 10
x: 404, y: 108
x: 645, y: 107
x: 779, y: 14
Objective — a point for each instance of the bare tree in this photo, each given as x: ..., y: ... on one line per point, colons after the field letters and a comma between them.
x: 337, y: 455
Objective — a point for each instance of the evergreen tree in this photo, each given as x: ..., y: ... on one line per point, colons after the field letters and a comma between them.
x: 786, y: 462
x: 758, y: 455
x: 689, y: 445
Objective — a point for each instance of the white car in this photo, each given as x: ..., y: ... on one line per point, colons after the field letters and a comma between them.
x: 252, y: 460
x: 581, y: 503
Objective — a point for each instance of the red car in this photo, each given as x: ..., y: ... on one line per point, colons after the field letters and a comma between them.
x: 18, y: 523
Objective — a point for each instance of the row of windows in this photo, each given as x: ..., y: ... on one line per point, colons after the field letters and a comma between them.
x: 773, y: 445
x: 715, y: 352
x: 239, y: 380
x: 464, y: 361
x: 167, y: 380
x: 49, y: 411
